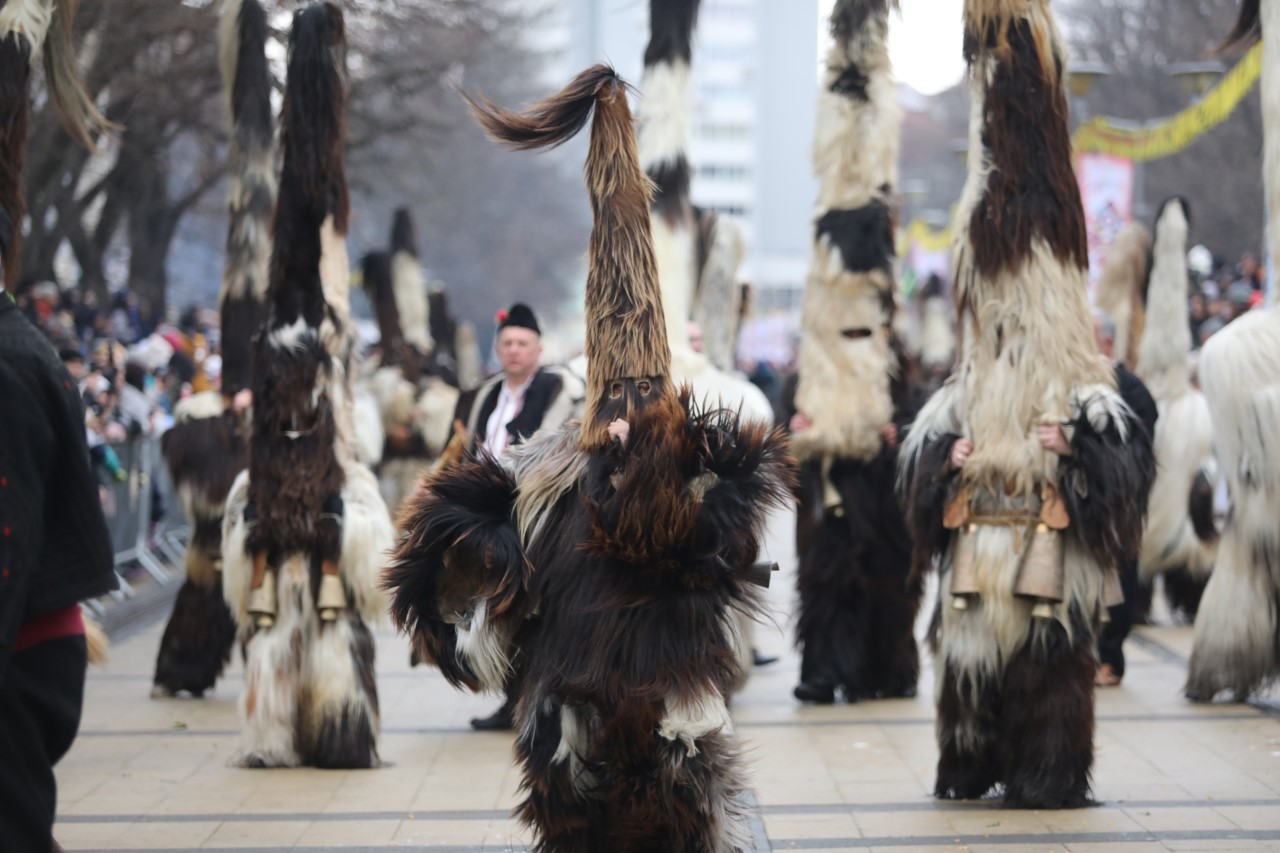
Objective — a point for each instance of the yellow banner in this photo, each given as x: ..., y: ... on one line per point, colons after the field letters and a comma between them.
x: 921, y: 234
x: 1171, y: 135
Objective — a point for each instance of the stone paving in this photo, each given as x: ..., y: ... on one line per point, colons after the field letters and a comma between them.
x: 153, y: 775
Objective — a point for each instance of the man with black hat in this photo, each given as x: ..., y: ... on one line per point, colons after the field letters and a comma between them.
x: 508, y: 408
x: 524, y: 397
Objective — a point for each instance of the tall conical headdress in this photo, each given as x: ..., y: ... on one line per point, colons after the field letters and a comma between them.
x: 308, y: 259
x: 1162, y: 355
x: 626, y: 331
x: 1122, y: 288
x: 846, y: 359
x: 251, y: 191
x: 29, y: 31
x: 408, y: 283
x: 663, y: 140
x: 1020, y: 254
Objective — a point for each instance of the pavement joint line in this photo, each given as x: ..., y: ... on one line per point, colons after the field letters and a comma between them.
x: 1024, y: 839
x: 871, y: 721
x: 752, y: 802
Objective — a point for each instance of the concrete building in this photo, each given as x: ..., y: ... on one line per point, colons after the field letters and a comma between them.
x: 755, y: 76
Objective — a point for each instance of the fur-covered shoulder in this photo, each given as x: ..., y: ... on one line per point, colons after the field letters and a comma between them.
x: 459, y: 568
x: 206, y: 404
x: 1106, y: 481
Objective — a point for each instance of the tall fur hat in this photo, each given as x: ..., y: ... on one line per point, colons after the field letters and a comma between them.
x: 626, y: 330
x: 251, y: 191
x: 31, y: 30
x: 313, y: 188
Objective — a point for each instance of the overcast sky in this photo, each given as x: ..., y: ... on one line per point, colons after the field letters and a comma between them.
x: 924, y: 43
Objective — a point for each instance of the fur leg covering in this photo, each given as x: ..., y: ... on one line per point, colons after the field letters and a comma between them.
x: 197, y: 640
x: 857, y: 602
x: 338, y: 706
x: 1047, y: 719
x: 455, y: 580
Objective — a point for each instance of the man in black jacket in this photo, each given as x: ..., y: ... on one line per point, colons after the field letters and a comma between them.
x: 55, y: 551
x: 1111, y: 638
x: 507, y: 409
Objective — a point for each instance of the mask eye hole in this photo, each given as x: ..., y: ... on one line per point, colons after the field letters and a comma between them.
x: 856, y: 334
x: 615, y: 390
x: 644, y: 387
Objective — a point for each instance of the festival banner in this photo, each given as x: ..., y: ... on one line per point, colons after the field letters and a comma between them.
x: 1106, y: 189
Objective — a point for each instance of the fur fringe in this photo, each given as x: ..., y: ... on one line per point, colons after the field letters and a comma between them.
x: 719, y: 304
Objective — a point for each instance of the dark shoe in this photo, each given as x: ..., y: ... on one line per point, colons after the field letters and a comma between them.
x: 762, y: 660
x: 499, y: 721
x: 822, y: 694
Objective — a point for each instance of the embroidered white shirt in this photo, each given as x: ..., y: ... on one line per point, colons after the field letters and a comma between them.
x: 508, y: 406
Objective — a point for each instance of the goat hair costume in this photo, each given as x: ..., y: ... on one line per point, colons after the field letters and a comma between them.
x: 305, y: 529
x: 1237, y: 638
x: 858, y: 602
x: 616, y: 562
x: 414, y: 394
x: 1181, y: 537
x: 1122, y: 290
x: 1025, y: 538
x: 209, y: 442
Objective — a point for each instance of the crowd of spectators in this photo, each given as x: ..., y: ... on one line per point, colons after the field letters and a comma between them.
x: 1219, y: 296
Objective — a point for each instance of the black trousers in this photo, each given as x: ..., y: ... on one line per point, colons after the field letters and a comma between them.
x: 1111, y: 639
x: 40, y: 702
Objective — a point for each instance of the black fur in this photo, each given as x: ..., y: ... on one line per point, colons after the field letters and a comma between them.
x: 671, y: 24
x: 858, y: 598
x: 864, y: 236
x: 968, y: 767
x: 347, y: 741
x: 1184, y: 591
x: 403, y: 236
x: 241, y: 319
x: 929, y: 484
x: 1200, y: 509
x: 196, y: 644
x: 1248, y: 26
x: 671, y: 178
x: 852, y: 83
x: 467, y: 507
x: 849, y: 17
x: 621, y: 624
x: 1105, y: 484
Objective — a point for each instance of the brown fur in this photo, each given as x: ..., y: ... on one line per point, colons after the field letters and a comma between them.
x: 1031, y: 189
x: 626, y: 332
x: 1121, y: 286
x: 15, y: 113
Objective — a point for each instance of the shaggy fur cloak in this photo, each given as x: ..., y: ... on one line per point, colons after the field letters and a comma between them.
x: 857, y: 601
x: 1014, y: 691
x: 617, y: 570
x: 1237, y: 642
x: 310, y: 696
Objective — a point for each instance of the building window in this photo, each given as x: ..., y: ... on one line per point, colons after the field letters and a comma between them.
x: 722, y: 172
x: 724, y: 132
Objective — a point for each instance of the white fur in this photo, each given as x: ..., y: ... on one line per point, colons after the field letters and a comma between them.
x: 1270, y: 16
x: 689, y: 718
x: 368, y: 434
x: 715, y: 388
x: 330, y: 671
x: 467, y: 355
x: 292, y: 337
x: 206, y: 404
x: 30, y: 19
x: 937, y: 334
x: 272, y: 682
x: 1120, y: 288
x: 410, y: 289
x: 237, y: 563
x: 1162, y: 357
x: 433, y: 414
x: 335, y: 280
x: 576, y: 734
x: 482, y: 646
x: 719, y: 300
x: 367, y: 538
x: 674, y: 252
x: 663, y: 132
x: 1183, y: 448
x: 546, y: 466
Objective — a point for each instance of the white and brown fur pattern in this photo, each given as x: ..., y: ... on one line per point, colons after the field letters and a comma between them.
x: 1122, y: 287
x: 612, y: 568
x: 1184, y: 430
x: 718, y: 307
x: 857, y: 607
x: 310, y: 696
x: 1015, y: 694
x: 1238, y: 626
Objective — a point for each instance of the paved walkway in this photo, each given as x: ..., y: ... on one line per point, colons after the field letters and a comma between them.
x: 153, y: 775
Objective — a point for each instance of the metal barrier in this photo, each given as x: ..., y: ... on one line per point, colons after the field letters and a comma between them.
x: 128, y: 504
